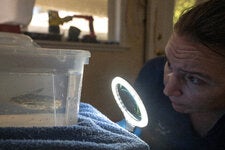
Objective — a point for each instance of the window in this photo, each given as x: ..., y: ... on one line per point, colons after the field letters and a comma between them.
x: 104, y: 12
x: 180, y: 6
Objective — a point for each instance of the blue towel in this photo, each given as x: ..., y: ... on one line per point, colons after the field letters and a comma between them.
x: 93, y: 131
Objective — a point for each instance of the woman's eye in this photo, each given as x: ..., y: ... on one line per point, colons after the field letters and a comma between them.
x: 193, y: 79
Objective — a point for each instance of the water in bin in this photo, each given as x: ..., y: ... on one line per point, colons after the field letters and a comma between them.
x: 39, y: 86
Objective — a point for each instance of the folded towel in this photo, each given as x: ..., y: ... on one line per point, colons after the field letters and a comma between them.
x: 93, y: 131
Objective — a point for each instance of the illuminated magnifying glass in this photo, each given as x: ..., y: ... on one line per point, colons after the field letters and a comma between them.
x: 130, y: 104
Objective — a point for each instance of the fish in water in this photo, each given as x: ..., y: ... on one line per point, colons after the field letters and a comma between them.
x: 35, y: 101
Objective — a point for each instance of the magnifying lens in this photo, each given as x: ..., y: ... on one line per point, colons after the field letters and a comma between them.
x: 130, y: 104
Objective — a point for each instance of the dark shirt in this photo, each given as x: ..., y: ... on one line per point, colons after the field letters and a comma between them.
x: 168, y: 129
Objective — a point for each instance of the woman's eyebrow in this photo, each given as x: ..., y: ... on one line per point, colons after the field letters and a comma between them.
x: 191, y: 72
x: 205, y: 76
x: 195, y: 73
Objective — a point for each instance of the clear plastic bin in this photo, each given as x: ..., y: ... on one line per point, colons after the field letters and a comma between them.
x: 39, y: 86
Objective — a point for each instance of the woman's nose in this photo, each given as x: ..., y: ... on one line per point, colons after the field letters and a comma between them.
x: 172, y: 85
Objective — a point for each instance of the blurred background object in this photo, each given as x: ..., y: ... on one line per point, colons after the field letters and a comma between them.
x: 15, y: 14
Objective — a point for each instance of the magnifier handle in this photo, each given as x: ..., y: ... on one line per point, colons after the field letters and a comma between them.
x: 124, y: 124
x: 129, y: 126
x: 137, y: 131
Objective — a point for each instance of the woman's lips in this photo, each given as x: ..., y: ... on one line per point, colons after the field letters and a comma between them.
x: 177, y: 105
x: 173, y: 100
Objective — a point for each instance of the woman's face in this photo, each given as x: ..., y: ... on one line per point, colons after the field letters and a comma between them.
x: 194, y: 76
